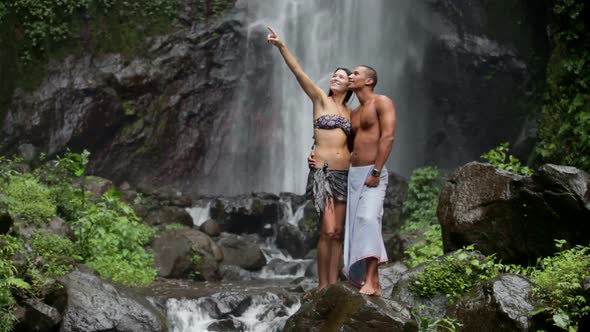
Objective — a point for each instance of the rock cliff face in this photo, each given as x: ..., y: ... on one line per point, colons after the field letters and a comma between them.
x: 158, y: 118
x: 483, y: 68
x: 145, y: 118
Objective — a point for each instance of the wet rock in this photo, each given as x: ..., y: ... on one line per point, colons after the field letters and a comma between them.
x: 280, y: 267
x: 38, y: 316
x: 55, y: 225
x: 291, y: 239
x: 242, y: 251
x: 515, y: 217
x: 234, y: 273
x: 255, y: 213
x: 341, y: 308
x: 293, y: 199
x: 395, y: 245
x: 28, y: 152
x: 96, y: 305
x: 6, y: 220
x: 211, y: 228
x: 227, y: 325
x: 312, y: 270
x: 390, y: 274
x: 97, y: 185
x: 187, y: 253
x: 397, y: 191
x: 503, y: 303
x: 479, y: 64
x: 168, y: 215
x: 309, y: 225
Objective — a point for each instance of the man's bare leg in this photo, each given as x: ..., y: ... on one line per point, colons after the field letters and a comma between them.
x: 371, y: 286
x: 324, y: 247
x: 336, y: 241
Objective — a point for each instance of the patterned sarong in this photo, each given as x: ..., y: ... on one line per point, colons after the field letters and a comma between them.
x: 327, y: 183
x: 362, y: 235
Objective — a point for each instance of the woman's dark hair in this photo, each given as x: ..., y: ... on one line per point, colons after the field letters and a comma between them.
x: 348, y: 93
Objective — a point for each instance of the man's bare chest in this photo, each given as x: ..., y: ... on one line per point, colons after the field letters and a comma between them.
x: 364, y: 118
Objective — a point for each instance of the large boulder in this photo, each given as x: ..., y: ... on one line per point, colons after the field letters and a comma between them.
x: 242, y: 251
x: 309, y: 225
x: 501, y: 304
x: 34, y: 315
x: 168, y: 215
x: 96, y: 305
x: 514, y: 216
x: 292, y: 240
x: 187, y: 253
x: 341, y: 307
x: 255, y: 213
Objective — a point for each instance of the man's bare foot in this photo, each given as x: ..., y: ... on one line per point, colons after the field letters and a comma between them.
x: 371, y: 290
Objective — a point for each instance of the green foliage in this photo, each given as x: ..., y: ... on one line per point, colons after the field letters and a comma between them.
x: 426, y: 250
x: 497, y: 157
x: 7, y: 169
x: 427, y: 324
x: 129, y: 107
x: 564, y: 123
x: 29, y: 198
x: 108, y: 235
x: 420, y: 206
x: 111, y: 240
x: 57, y: 253
x: 419, y: 212
x: 60, y: 173
x: 211, y: 9
x: 8, y: 281
x: 559, y: 281
x: 453, y: 274
x: 45, y: 22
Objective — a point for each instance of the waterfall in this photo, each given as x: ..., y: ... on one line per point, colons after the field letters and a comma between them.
x: 272, y: 131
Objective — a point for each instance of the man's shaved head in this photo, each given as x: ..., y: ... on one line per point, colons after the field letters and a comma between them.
x: 371, y: 73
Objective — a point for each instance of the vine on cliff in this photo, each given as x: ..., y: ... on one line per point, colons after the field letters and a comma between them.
x: 564, y: 125
x: 42, y: 23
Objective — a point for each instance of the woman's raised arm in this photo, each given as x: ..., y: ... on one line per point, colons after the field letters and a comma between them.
x: 310, y: 88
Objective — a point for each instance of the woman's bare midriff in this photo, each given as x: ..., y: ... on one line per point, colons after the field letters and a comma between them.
x: 331, y: 146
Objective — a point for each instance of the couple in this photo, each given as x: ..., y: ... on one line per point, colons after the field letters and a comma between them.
x: 344, y: 183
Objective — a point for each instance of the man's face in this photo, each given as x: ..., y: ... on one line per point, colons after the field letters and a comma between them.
x: 358, y: 78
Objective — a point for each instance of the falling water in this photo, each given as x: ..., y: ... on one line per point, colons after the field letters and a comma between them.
x: 272, y: 119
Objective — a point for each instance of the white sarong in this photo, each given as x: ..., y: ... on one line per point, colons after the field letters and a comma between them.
x: 362, y: 234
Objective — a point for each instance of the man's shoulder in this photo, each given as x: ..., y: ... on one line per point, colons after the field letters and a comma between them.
x: 383, y: 98
x: 383, y: 102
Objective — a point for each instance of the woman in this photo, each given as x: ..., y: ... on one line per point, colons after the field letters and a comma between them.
x: 326, y: 186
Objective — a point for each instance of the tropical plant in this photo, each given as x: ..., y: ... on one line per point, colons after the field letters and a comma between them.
x: 497, y: 157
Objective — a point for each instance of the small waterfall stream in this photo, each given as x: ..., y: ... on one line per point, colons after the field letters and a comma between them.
x: 263, y: 303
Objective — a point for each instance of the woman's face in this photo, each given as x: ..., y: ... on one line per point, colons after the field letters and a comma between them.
x: 339, y: 81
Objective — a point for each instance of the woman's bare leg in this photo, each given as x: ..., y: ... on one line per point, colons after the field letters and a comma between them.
x: 324, y: 248
x: 336, y: 241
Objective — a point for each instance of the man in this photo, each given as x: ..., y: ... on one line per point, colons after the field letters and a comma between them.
x: 373, y: 127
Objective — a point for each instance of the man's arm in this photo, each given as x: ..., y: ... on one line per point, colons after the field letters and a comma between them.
x: 387, y: 123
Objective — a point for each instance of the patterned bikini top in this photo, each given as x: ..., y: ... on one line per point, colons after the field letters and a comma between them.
x: 333, y: 121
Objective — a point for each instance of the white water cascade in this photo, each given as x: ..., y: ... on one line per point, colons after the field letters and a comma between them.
x: 272, y: 121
